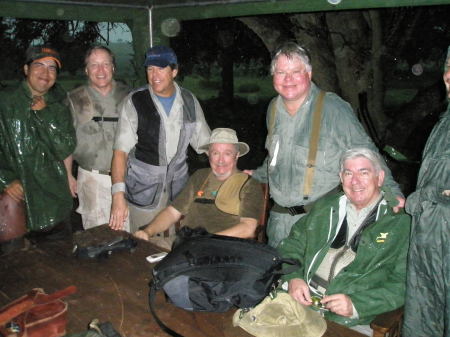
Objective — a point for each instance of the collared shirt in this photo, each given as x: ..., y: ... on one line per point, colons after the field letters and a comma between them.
x: 288, y: 148
x: 355, y: 217
x: 95, y: 138
x: 126, y: 136
x: 354, y: 221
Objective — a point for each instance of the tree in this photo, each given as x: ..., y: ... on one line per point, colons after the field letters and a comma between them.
x: 356, y: 52
x: 361, y: 55
x: 70, y: 38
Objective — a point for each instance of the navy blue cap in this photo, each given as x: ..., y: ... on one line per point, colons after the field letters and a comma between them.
x: 160, y: 56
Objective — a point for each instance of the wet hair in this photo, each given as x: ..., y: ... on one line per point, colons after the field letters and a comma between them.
x: 290, y: 50
x: 361, y: 152
x: 91, y: 50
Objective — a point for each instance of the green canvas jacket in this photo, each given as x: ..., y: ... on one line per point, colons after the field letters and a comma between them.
x: 375, y: 280
x: 33, y: 145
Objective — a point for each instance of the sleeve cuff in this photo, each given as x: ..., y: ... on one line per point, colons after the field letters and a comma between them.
x: 117, y: 187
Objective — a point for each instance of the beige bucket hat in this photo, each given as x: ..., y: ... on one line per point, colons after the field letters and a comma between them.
x: 281, y: 316
x: 226, y: 136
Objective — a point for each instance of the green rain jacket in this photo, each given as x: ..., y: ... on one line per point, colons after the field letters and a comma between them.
x: 33, y: 145
x: 427, y: 308
x: 375, y: 280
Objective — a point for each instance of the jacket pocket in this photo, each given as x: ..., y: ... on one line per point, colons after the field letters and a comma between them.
x: 143, y: 185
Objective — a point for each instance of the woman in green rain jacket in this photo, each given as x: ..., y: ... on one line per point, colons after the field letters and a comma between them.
x: 33, y: 145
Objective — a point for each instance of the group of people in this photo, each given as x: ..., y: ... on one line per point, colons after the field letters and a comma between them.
x: 336, y: 206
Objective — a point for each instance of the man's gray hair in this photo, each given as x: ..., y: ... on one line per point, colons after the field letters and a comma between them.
x: 291, y: 50
x: 361, y: 152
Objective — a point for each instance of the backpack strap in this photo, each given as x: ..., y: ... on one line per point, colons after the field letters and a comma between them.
x: 151, y: 301
x: 313, y: 145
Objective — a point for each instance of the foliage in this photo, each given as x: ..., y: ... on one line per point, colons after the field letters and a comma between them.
x: 70, y: 38
x: 195, y: 49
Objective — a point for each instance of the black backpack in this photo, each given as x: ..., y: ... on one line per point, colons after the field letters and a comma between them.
x: 208, y: 272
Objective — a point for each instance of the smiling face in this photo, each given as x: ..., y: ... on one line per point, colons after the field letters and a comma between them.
x: 361, y: 182
x: 291, y: 79
x: 41, y: 75
x: 100, y: 69
x: 162, y: 80
x: 223, y: 159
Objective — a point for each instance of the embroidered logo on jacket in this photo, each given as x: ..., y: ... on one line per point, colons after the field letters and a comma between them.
x: 382, y: 237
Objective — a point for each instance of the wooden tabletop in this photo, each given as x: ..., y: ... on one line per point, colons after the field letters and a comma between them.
x: 113, y: 289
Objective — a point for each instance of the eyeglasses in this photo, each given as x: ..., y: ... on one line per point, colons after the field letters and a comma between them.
x: 296, y: 74
x: 39, y: 66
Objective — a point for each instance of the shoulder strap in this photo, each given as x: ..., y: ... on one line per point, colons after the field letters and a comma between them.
x: 272, y: 117
x: 227, y: 199
x: 313, y: 145
x: 151, y: 301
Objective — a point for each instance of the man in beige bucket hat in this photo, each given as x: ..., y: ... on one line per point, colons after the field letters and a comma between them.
x: 220, y: 199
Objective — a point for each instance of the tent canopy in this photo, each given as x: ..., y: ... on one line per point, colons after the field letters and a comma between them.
x: 147, y: 17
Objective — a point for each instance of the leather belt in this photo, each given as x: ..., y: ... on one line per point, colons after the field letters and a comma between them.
x: 105, y: 119
x: 104, y: 172
x: 293, y: 210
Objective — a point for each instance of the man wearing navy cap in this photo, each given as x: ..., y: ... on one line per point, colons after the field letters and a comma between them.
x: 157, y: 123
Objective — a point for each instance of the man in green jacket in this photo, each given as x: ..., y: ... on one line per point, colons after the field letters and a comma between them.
x: 427, y: 307
x: 36, y: 142
x: 352, y: 246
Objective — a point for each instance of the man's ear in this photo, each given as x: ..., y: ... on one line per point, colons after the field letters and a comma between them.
x: 381, y: 178
x: 25, y: 69
x: 174, y: 72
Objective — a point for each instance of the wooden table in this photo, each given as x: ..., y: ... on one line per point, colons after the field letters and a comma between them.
x: 114, y: 289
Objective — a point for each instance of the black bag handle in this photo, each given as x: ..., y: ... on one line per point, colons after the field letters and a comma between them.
x: 151, y: 301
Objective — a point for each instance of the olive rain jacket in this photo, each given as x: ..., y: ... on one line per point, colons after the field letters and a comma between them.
x: 375, y: 280
x: 33, y: 145
x: 427, y: 308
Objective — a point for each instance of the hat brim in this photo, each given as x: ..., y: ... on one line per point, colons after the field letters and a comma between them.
x: 157, y: 63
x: 243, y: 147
x: 58, y: 62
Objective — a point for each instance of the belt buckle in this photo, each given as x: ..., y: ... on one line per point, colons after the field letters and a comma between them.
x: 292, y: 211
x: 106, y: 173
